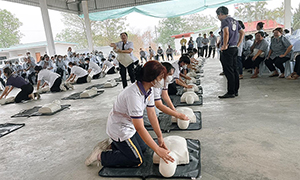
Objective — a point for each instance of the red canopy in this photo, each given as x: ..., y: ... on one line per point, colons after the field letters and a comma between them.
x: 183, y: 34
x: 268, y: 25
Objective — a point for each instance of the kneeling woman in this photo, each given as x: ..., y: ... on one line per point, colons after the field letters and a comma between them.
x: 108, y: 65
x: 125, y: 125
x: 18, y: 82
x: 51, y: 78
x: 78, y: 72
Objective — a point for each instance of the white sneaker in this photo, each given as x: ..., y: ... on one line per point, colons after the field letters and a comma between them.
x: 101, y: 146
x: 62, y: 87
x: 93, y: 156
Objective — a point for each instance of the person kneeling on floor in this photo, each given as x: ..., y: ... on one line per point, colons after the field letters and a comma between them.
x: 93, y: 67
x: 109, y: 66
x: 80, y: 73
x: 13, y: 81
x: 125, y: 125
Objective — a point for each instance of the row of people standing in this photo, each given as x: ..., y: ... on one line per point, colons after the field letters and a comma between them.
x: 156, y: 55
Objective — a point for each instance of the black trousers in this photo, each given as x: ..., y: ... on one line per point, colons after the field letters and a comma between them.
x: 82, y: 80
x: 204, y: 48
x: 56, y: 85
x: 23, y: 94
x: 297, y: 65
x: 30, y: 76
x: 230, y: 69
x: 212, y: 49
x: 172, y: 90
x: 127, y: 153
x: 253, y: 64
x: 183, y: 48
x: 163, y: 58
x: 111, y: 70
x: 2, y: 82
x: 96, y: 76
x: 60, y: 71
x: 278, y: 61
x: 170, y: 56
x: 123, y: 73
x: 200, y: 51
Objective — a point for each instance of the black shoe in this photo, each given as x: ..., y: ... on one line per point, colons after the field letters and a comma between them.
x: 236, y: 94
x: 227, y: 96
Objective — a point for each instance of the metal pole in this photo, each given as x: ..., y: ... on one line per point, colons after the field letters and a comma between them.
x: 287, y: 14
x: 87, y: 25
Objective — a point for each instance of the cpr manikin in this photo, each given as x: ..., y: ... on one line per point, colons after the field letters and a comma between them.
x: 89, y: 93
x: 189, y: 97
x: 195, y: 88
x: 44, y: 90
x: 7, y: 100
x: 110, y: 83
x: 51, y: 107
x: 184, y: 124
x: 193, y: 80
x: 191, y: 74
x: 178, y: 147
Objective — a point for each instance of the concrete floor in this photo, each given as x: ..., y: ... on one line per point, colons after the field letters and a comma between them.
x: 253, y: 136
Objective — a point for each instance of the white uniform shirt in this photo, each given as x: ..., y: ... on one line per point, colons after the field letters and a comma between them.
x: 116, y: 62
x: 158, y: 91
x: 177, y: 70
x: 108, y: 64
x: 128, y: 45
x: 78, y: 71
x: 48, y: 76
x: 94, y: 67
x: 130, y: 104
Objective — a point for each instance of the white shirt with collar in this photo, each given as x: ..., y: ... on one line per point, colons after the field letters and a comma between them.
x: 78, y: 71
x: 130, y: 104
x: 48, y: 76
x: 128, y: 45
x: 94, y: 67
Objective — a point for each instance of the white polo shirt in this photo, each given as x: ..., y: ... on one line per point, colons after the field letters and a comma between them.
x: 48, y: 76
x: 94, y: 67
x: 130, y: 104
x: 108, y: 64
x: 157, y: 92
x: 78, y: 71
x: 176, y: 74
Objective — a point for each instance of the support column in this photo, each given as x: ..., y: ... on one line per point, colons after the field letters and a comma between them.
x: 287, y: 14
x: 47, y: 27
x: 87, y: 24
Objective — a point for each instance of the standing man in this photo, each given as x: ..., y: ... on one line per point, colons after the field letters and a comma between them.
x: 205, y: 42
x: 169, y: 52
x: 125, y: 46
x: 160, y: 52
x: 199, y: 44
x: 183, y: 45
x: 143, y: 55
x: 212, y: 44
x: 231, y: 37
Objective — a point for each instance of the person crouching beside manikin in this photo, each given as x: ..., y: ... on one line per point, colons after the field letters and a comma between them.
x: 107, y: 65
x: 78, y: 72
x: 125, y: 125
x: 13, y: 81
x: 93, y: 67
x: 52, y: 79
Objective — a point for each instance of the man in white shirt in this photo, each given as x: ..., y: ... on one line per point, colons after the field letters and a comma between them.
x: 109, y: 66
x: 199, y: 44
x: 78, y: 72
x: 125, y: 46
x: 93, y: 67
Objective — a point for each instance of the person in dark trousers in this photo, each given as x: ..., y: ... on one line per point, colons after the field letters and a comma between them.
x: 125, y: 128
x: 13, y: 81
x: 52, y: 79
x: 231, y: 37
x: 124, y: 46
x: 205, y: 42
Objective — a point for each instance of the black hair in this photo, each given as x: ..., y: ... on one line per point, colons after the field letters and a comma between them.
x: 7, y: 71
x: 222, y: 10
x: 124, y: 33
x: 195, y: 50
x: 286, y: 31
x: 248, y: 37
x: 87, y: 59
x: 150, y: 71
x: 103, y: 59
x: 261, y: 33
x: 241, y: 24
x: 211, y: 32
x: 38, y: 68
x: 260, y: 25
x: 113, y: 56
x: 184, y: 59
x: 70, y: 63
x: 168, y: 66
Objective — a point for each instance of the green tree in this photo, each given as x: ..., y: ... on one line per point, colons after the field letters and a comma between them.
x: 198, y: 21
x: 9, y: 29
x: 103, y: 32
x: 168, y: 27
x: 296, y: 18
